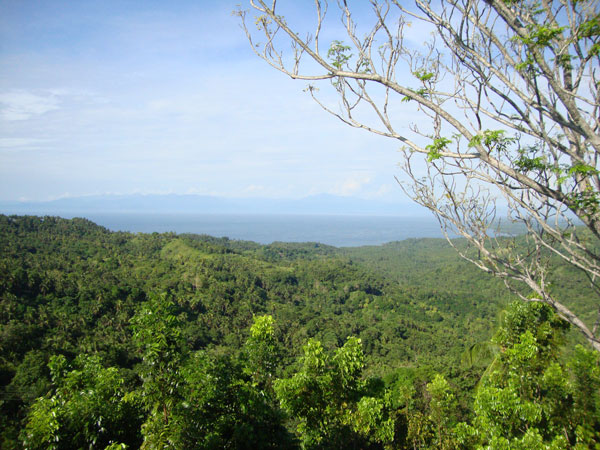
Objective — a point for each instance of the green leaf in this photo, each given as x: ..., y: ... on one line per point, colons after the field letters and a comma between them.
x: 434, y: 150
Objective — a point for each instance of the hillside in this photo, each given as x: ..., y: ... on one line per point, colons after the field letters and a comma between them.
x: 71, y: 289
x: 75, y: 271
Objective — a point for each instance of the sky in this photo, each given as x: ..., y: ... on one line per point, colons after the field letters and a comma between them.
x: 154, y: 97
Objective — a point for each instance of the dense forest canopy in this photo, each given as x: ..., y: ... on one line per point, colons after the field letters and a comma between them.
x: 180, y: 341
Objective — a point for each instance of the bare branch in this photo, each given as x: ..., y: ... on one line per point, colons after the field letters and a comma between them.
x: 506, y: 104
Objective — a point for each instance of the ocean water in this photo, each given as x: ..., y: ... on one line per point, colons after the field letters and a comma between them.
x: 340, y: 231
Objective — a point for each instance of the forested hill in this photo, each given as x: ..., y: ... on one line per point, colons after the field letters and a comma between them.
x: 78, y: 281
x: 145, y: 316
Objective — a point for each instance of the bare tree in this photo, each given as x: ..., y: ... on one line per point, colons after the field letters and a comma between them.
x: 505, y: 97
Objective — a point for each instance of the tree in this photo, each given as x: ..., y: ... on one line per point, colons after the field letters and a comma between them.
x: 506, y: 101
x: 88, y: 407
x: 222, y: 408
x: 331, y: 401
x: 262, y: 352
x: 528, y: 399
x: 157, y: 335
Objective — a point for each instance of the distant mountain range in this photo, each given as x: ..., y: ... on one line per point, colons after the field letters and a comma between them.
x: 202, y: 204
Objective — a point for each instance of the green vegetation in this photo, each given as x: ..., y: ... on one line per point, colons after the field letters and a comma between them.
x: 119, y: 340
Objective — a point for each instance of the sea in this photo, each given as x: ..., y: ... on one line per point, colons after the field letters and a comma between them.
x: 336, y: 230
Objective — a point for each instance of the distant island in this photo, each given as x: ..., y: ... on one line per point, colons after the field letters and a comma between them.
x: 205, y: 204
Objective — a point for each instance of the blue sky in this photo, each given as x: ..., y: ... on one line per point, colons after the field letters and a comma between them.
x: 164, y: 97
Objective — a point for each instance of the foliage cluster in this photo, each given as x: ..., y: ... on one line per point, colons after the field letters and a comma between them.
x: 118, y: 340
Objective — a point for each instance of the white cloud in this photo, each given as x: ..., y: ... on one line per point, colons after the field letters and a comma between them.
x: 20, y: 143
x: 188, y: 115
x: 350, y: 186
x: 21, y: 105
x: 383, y: 191
x: 254, y: 189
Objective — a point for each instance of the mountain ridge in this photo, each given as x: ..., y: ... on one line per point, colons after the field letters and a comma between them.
x: 206, y: 204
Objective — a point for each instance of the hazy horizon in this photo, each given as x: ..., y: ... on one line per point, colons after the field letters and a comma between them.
x: 322, y: 204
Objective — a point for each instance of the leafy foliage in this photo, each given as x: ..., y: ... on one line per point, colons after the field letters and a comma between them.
x: 526, y: 399
x: 166, y: 341
x: 89, y: 407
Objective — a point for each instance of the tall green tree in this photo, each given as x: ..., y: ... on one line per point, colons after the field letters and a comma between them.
x: 222, y: 407
x: 157, y: 335
x: 263, y: 353
x: 88, y: 407
x: 220, y: 400
x: 329, y: 398
x: 529, y: 399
